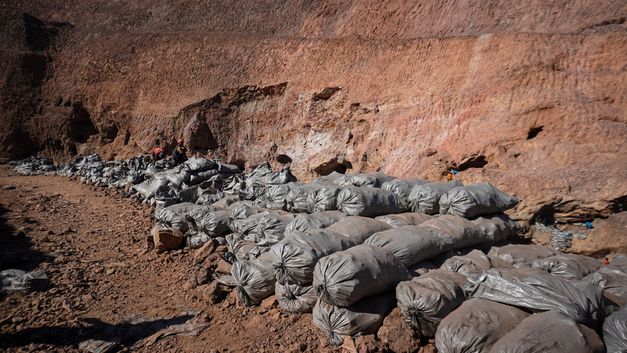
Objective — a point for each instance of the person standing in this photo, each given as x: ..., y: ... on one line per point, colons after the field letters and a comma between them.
x: 179, y: 155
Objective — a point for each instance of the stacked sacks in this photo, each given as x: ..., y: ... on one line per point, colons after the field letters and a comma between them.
x: 473, y: 264
x: 254, y: 279
x: 456, y: 232
x: 475, y: 200
x: 304, y: 222
x: 404, y: 219
x: 374, y: 180
x: 520, y: 255
x: 368, y: 201
x: 425, y: 198
x: 358, y: 228
x: 299, y: 197
x: 323, y: 198
x: 497, y: 227
x: 409, y: 244
x: 294, y: 298
x: 425, y: 300
x: 615, y: 331
x: 351, y: 286
x: 539, y: 291
x: 552, y: 332
x: 275, y: 197
x: 476, y: 326
x: 256, y: 183
x: 568, y: 266
x: 33, y: 166
x: 402, y: 188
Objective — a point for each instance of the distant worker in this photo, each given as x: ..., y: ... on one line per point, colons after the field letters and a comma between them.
x: 157, y: 153
x: 588, y: 225
x: 179, y: 155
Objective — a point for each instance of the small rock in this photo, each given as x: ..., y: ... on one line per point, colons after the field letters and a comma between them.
x: 166, y: 239
x: 269, y: 302
x: 110, y: 271
x: 214, y: 292
x: 207, y: 249
x: 223, y: 267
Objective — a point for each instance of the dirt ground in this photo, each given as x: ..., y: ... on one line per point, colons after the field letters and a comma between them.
x: 105, y: 285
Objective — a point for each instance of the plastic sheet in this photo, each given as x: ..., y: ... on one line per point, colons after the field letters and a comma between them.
x: 345, y: 277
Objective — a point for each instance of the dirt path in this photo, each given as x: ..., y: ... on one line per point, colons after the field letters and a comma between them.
x: 91, y: 243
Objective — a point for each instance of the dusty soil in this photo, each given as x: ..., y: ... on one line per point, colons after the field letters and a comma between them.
x: 91, y: 243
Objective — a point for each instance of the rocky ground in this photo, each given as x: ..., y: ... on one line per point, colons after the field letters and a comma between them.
x: 105, y: 285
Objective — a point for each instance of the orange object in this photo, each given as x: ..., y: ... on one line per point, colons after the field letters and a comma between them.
x: 605, y: 261
x: 449, y: 176
x: 157, y: 150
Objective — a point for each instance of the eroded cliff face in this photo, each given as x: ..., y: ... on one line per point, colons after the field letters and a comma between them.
x: 529, y: 96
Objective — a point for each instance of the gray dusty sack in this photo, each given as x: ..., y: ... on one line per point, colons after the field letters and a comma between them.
x: 404, y: 219
x: 368, y: 202
x: 294, y: 298
x: 615, y: 331
x: 345, y: 277
x: 409, y: 244
x: 254, y: 279
x: 476, y: 200
x: 425, y: 198
x: 424, y: 301
x: 358, y: 228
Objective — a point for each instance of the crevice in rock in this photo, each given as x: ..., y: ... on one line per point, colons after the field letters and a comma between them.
x: 81, y: 127
x: 283, y: 159
x: 534, y: 131
x: 619, y: 204
x: 334, y: 165
x: 325, y: 94
x: 478, y: 161
x: 545, y: 215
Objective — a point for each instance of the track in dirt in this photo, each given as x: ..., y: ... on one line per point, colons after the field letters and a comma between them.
x: 104, y: 285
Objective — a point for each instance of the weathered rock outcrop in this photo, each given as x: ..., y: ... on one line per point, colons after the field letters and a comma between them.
x: 528, y: 96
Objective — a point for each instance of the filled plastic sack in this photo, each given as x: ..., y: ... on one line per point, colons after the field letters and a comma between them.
x: 476, y: 326
x: 196, y: 165
x: 402, y: 188
x: 521, y: 255
x: 345, y: 277
x: 254, y: 279
x: 409, y: 244
x: 195, y: 239
x: 476, y: 200
x: 18, y: 280
x: 329, y: 178
x: 612, y: 280
x: 294, y: 298
x: 324, y: 198
x: 615, y: 331
x: 149, y: 188
x: 304, y: 221
x: 276, y: 195
x: 456, y: 232
x: 270, y: 228
x: 425, y: 198
x: 497, y: 227
x: 424, y: 301
x: 298, y: 198
x: 357, y: 228
x: 368, y: 201
x: 362, y: 318
x: 568, y: 266
x: 175, y: 216
x: 237, y: 246
x: 538, y: 291
x: 374, y: 180
x: 549, y: 332
x: 474, y: 263
x: 295, y: 257
x: 404, y: 219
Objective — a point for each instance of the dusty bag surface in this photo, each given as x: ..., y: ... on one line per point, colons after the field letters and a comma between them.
x: 358, y: 228
x: 364, y: 317
x: 612, y: 280
x: 149, y: 188
x: 295, y: 257
x: 345, y: 277
x: 275, y: 196
x: 294, y: 298
x: 476, y: 200
x: 520, y: 255
x: 402, y: 188
x: 175, y: 216
x: 270, y: 228
x: 324, y: 198
x: 299, y: 196
x: 239, y: 247
x: 476, y: 326
x: 537, y: 291
x: 368, y: 202
x: 404, y: 219
x: 497, y: 227
x: 456, y: 232
x: 615, y: 331
x: 425, y: 198
x: 549, y: 332
x: 304, y: 221
x: 254, y: 279
x: 18, y: 280
x: 568, y: 266
x: 409, y: 244
x: 474, y: 263
x: 375, y: 179
x: 424, y: 301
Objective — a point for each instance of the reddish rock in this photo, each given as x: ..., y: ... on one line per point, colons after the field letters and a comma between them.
x: 213, y: 292
x: 204, y: 251
x: 397, y: 335
x: 166, y: 239
x: 223, y: 267
x: 269, y: 302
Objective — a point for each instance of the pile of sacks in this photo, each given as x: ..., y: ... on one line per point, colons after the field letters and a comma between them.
x: 34, y: 166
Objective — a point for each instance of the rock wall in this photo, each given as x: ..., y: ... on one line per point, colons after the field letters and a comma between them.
x: 528, y: 96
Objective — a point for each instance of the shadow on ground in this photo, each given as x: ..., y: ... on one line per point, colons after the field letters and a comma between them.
x: 125, y: 333
x: 16, y: 248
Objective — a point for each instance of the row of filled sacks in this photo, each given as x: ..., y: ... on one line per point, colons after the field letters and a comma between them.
x: 252, y: 186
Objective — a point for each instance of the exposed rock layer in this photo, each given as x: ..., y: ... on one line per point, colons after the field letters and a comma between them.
x: 528, y: 96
